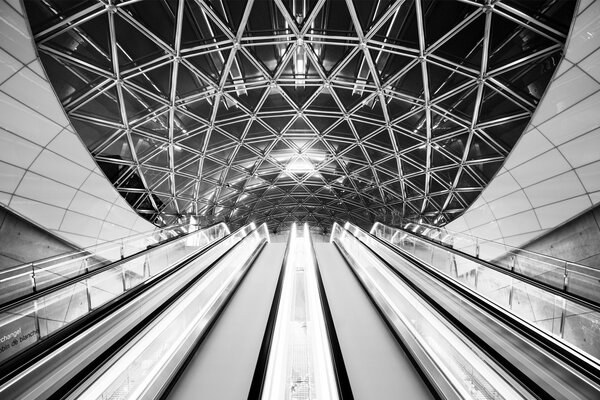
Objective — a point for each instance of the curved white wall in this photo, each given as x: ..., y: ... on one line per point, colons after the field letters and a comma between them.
x: 553, y: 173
x: 46, y: 173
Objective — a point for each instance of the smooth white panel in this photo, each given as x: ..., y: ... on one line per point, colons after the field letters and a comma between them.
x: 81, y: 224
x: 500, y: 186
x: 565, y: 91
x: 16, y: 150
x: 8, y: 65
x: 43, y: 214
x: 574, y: 122
x: 112, y: 232
x: 555, y: 189
x: 489, y: 231
x: 519, y: 223
x: 90, y: 205
x: 5, y: 198
x: 30, y: 89
x: 141, y: 225
x: 121, y: 217
x: 68, y: 143
x: 543, y: 167
x: 590, y: 176
x: 37, y: 187
x: 583, y: 4
x: 10, y: 176
x: 563, y: 67
x: 532, y: 144
x: 14, y: 34
x: 595, y: 197
x: 36, y: 67
x: 591, y: 65
x: 99, y: 187
x: 582, y: 150
x: 586, y: 34
x: 16, y: 4
x: 556, y: 214
x: 25, y: 122
x: 512, y: 204
x: 520, y: 240
x: 82, y: 241
x: 478, y: 216
x: 52, y: 165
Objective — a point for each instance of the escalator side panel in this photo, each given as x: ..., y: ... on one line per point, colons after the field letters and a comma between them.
x: 376, y: 364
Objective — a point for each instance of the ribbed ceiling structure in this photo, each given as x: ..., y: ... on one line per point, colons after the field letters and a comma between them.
x: 291, y: 110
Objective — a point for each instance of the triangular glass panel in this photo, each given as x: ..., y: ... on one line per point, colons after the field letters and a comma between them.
x: 275, y: 102
x: 521, y: 44
x: 104, y: 106
x: 410, y: 83
x: 277, y: 123
x: 134, y: 48
x: 198, y: 28
x: 144, y: 145
x: 229, y: 110
x: 465, y: 47
x: 93, y: 49
x: 144, y: 14
x: 156, y: 80
x: 481, y: 149
x: 258, y: 25
x: 371, y: 109
x: 118, y: 149
x: 496, y: 106
x: 160, y: 159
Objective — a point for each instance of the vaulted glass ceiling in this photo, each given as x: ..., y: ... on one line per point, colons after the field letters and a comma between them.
x: 289, y: 110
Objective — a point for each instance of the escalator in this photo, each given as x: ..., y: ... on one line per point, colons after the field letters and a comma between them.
x: 352, y: 318
x: 110, y: 307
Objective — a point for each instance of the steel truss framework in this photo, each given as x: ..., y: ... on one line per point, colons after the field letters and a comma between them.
x: 315, y: 111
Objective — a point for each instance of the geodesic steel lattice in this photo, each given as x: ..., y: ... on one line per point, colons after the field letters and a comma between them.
x: 300, y: 110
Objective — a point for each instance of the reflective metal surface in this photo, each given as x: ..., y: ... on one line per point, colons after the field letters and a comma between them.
x: 299, y: 110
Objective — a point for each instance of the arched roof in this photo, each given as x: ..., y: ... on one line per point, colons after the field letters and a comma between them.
x: 310, y: 111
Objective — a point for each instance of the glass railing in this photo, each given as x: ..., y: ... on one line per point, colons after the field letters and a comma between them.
x: 577, y: 279
x: 571, y: 321
x: 26, y: 322
x: 300, y: 363
x: 146, y: 366
x: 563, y: 377
x: 453, y: 365
x: 24, y: 279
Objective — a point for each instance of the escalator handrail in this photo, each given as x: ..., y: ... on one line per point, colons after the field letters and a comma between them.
x: 14, y: 303
x: 573, y: 297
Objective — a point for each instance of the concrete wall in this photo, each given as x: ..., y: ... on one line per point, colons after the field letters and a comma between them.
x: 22, y: 242
x: 577, y: 241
